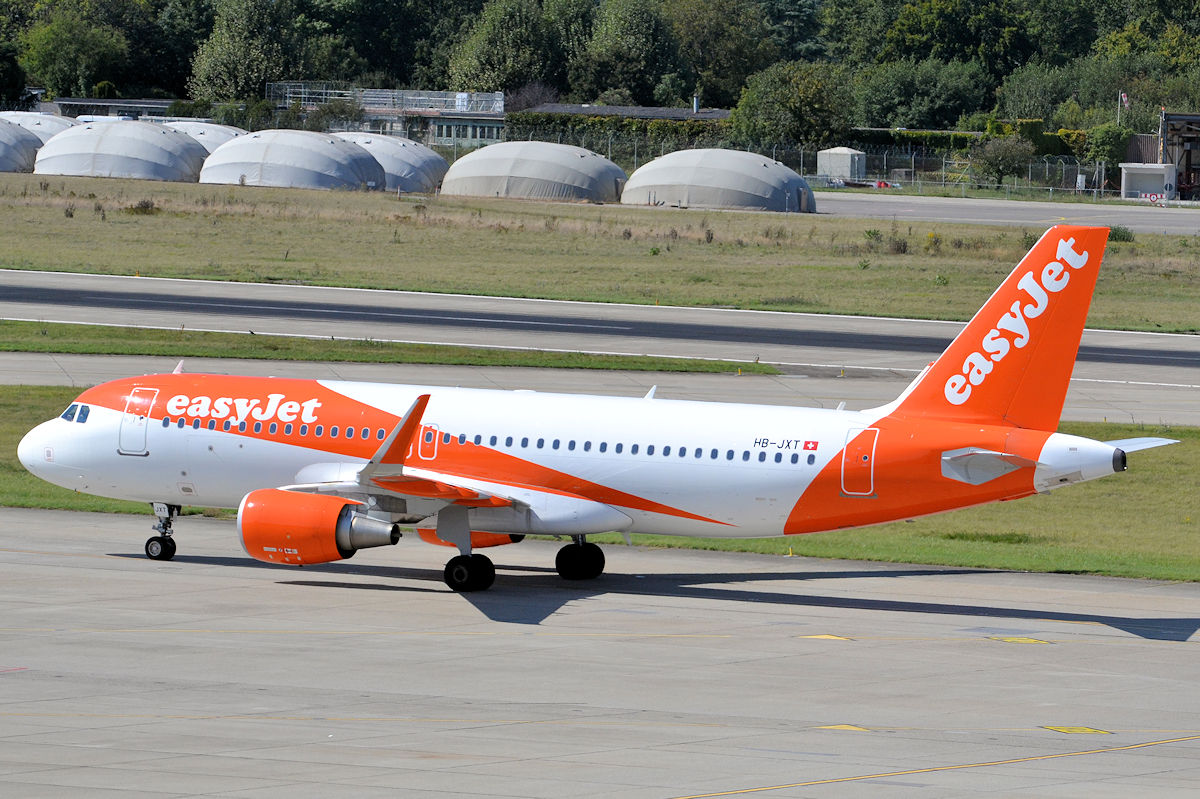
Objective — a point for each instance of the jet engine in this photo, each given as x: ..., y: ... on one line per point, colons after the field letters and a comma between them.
x: 278, y: 526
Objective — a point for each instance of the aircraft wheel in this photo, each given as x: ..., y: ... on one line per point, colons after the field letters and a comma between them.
x: 580, y: 561
x: 160, y: 547
x: 469, y: 573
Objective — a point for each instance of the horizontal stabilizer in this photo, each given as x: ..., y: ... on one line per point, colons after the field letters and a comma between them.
x: 1137, y: 444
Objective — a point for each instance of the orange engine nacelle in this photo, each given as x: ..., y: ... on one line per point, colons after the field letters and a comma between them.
x: 279, y: 526
x: 478, y: 540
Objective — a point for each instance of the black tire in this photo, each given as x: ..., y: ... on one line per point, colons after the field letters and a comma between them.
x: 465, y: 573
x: 160, y: 548
x: 579, y: 562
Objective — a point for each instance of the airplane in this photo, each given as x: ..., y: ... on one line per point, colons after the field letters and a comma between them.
x: 320, y: 469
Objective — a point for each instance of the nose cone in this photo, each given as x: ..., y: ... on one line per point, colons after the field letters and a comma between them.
x: 31, y: 452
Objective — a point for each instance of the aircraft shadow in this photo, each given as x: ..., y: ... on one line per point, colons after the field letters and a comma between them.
x: 531, y: 594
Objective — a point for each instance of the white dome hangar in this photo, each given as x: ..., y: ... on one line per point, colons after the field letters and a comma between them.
x: 535, y: 170
x: 299, y: 159
x: 18, y: 148
x: 407, y: 165
x: 138, y: 150
x: 209, y: 134
x: 44, y: 126
x: 711, y: 178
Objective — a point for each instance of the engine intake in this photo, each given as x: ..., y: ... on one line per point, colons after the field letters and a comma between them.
x: 278, y: 526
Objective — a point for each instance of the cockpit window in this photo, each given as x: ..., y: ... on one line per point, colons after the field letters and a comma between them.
x: 69, y: 413
x: 84, y: 410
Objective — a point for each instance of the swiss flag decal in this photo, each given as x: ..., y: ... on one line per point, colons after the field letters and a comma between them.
x: 810, y: 446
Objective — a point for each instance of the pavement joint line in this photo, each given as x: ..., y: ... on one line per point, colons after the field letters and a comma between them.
x: 497, y: 633
x: 936, y: 769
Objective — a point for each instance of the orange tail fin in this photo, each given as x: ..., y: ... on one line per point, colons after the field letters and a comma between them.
x: 1012, y: 362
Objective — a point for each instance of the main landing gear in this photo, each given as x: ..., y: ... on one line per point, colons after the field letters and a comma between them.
x: 580, y: 561
x: 470, y: 573
x: 162, y: 546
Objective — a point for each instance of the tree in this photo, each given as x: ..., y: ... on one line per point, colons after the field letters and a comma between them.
x: 722, y: 42
x: 792, y: 101
x: 569, y: 24
x: 12, y: 79
x: 794, y: 27
x: 853, y: 31
x: 1108, y: 142
x: 508, y: 47
x: 925, y: 94
x: 1034, y: 91
x: 997, y: 158
x: 69, y: 54
x: 631, y: 48
x: 992, y: 32
x: 245, y: 51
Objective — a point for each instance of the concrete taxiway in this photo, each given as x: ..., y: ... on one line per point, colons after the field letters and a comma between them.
x: 1179, y: 220
x: 675, y: 674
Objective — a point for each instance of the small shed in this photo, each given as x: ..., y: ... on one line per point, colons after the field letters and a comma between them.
x: 1149, y: 181
x: 842, y: 162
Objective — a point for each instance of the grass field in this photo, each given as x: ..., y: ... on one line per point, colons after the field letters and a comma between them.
x: 1144, y: 523
x: 793, y: 262
x: 100, y: 340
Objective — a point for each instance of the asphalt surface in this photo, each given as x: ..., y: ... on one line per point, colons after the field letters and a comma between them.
x: 674, y: 674
x: 1176, y: 220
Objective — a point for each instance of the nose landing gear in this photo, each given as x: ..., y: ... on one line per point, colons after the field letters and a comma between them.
x: 162, y: 547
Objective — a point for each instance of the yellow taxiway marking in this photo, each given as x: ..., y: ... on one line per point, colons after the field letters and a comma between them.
x: 852, y: 727
x: 827, y: 637
x: 1079, y: 730
x: 935, y: 769
x: 1017, y: 639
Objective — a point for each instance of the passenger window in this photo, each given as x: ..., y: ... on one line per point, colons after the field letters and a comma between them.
x: 196, y: 424
x: 555, y: 444
x: 428, y: 436
x: 779, y: 457
x: 571, y: 445
x: 445, y: 438
x: 603, y: 446
x: 166, y: 421
x: 587, y: 446
x: 729, y: 455
x: 525, y: 441
x: 287, y: 430
x: 508, y: 441
x: 683, y: 452
x: 812, y: 459
x: 795, y: 458
x: 69, y: 413
x: 82, y: 416
x: 462, y: 438
x: 258, y: 427
x: 241, y: 426
x: 713, y: 455
x: 745, y: 454
x: 541, y: 443
x: 228, y: 424
x: 183, y: 421
x: 649, y: 449
x: 303, y: 429
x: 333, y: 431
x: 319, y: 430
x: 666, y: 451
x: 492, y: 441
x: 699, y: 452
x: 762, y: 456
x: 380, y: 434
x: 478, y: 439
x: 273, y: 428
x: 633, y: 448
